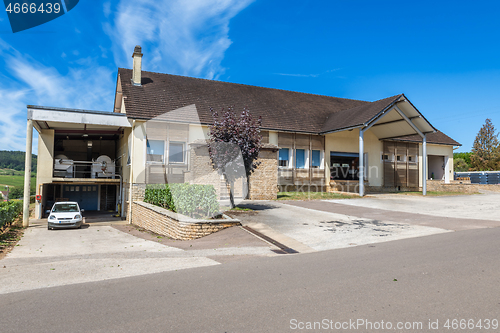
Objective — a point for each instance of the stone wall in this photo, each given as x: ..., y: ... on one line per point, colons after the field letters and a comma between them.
x: 200, y: 167
x: 460, y: 186
x: 264, y: 180
x: 138, y: 191
x: 176, y: 226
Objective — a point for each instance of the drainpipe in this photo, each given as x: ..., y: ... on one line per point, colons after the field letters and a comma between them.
x: 129, y: 214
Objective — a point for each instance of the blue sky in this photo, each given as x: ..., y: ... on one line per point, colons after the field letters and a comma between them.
x: 445, y: 56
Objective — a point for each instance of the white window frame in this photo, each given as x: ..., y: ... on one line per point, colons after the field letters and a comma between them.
x: 290, y: 158
x: 306, y: 158
x: 164, y: 151
x: 321, y: 159
x: 183, y: 152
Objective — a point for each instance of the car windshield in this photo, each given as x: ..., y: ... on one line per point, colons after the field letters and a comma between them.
x: 65, y: 208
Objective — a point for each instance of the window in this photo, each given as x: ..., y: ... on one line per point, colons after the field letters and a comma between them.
x: 300, y: 158
x: 176, y: 152
x: 385, y: 157
x: 316, y: 158
x: 412, y: 158
x: 155, y: 150
x: 344, y: 166
x: 284, y: 157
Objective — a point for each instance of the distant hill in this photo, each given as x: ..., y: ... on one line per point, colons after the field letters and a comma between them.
x: 15, y: 160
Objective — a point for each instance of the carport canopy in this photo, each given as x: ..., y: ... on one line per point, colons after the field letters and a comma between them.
x: 391, y: 118
x: 66, y: 121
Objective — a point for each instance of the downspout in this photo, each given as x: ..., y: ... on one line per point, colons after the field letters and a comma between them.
x: 129, y: 214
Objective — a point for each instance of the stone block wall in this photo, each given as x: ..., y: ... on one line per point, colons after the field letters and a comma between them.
x: 138, y: 191
x: 264, y: 180
x: 460, y: 186
x: 201, y: 169
x: 176, y: 226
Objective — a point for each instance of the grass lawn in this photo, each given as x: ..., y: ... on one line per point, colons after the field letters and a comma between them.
x: 313, y: 196
x: 14, y: 178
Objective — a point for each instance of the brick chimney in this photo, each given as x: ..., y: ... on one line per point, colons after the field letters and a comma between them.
x: 136, y: 74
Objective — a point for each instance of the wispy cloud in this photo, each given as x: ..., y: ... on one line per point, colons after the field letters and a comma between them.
x: 180, y: 37
x: 308, y: 75
x: 26, y: 81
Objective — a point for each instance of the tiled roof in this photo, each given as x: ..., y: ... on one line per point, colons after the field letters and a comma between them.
x: 438, y: 138
x: 280, y: 109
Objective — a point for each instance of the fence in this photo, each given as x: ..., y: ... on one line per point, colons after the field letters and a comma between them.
x: 480, y: 177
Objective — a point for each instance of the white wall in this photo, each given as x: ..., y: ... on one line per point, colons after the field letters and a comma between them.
x: 45, y: 162
x: 348, y: 142
x: 440, y: 150
x: 139, y: 153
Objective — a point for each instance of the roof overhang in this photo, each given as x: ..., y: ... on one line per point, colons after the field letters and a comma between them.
x: 399, y: 119
x: 75, y: 121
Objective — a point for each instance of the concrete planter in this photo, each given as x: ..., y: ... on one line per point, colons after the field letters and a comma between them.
x: 177, y: 226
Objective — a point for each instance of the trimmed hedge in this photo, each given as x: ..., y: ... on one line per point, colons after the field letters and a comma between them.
x: 9, y: 211
x: 197, y: 201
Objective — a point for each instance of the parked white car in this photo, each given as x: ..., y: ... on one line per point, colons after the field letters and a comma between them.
x: 65, y: 215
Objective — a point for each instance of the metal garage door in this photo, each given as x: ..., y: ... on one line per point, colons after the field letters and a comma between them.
x: 87, y: 196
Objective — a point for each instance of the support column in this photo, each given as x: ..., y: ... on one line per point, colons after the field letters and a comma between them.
x: 27, y: 174
x: 424, y: 165
x: 361, y: 172
x: 131, y: 170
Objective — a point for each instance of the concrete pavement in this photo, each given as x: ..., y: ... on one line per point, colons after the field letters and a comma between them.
x: 437, y: 278
x: 305, y: 230
x: 99, y: 251
x: 485, y: 206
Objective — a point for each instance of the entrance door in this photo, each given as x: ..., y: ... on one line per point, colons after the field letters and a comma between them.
x: 108, y: 197
x: 400, y: 161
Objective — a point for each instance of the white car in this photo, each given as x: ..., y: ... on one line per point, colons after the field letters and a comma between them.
x: 65, y: 215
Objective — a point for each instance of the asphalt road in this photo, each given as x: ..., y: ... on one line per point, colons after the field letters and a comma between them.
x: 445, y: 276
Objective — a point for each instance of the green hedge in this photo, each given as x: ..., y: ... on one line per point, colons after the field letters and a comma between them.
x: 9, y: 211
x: 197, y: 201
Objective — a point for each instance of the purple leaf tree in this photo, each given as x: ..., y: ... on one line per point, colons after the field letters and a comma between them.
x: 234, y: 145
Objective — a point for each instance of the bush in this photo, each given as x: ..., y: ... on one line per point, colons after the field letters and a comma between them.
x: 197, y: 201
x: 9, y: 211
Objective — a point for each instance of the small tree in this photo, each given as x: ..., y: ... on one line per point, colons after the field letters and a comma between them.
x: 485, y: 151
x: 234, y: 145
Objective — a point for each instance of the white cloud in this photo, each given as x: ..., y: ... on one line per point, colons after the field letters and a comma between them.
x: 179, y: 37
x: 86, y: 85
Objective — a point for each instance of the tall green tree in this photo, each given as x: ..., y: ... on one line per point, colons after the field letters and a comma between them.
x: 461, y: 161
x: 486, y: 151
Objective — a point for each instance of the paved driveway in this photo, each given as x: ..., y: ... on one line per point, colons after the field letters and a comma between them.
x: 306, y: 230
x: 485, y: 206
x: 100, y: 251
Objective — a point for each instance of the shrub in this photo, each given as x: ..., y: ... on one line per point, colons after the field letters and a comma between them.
x: 197, y: 201
x: 9, y: 211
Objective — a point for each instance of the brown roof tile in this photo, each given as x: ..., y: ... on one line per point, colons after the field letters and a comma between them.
x: 438, y: 138
x: 280, y: 109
